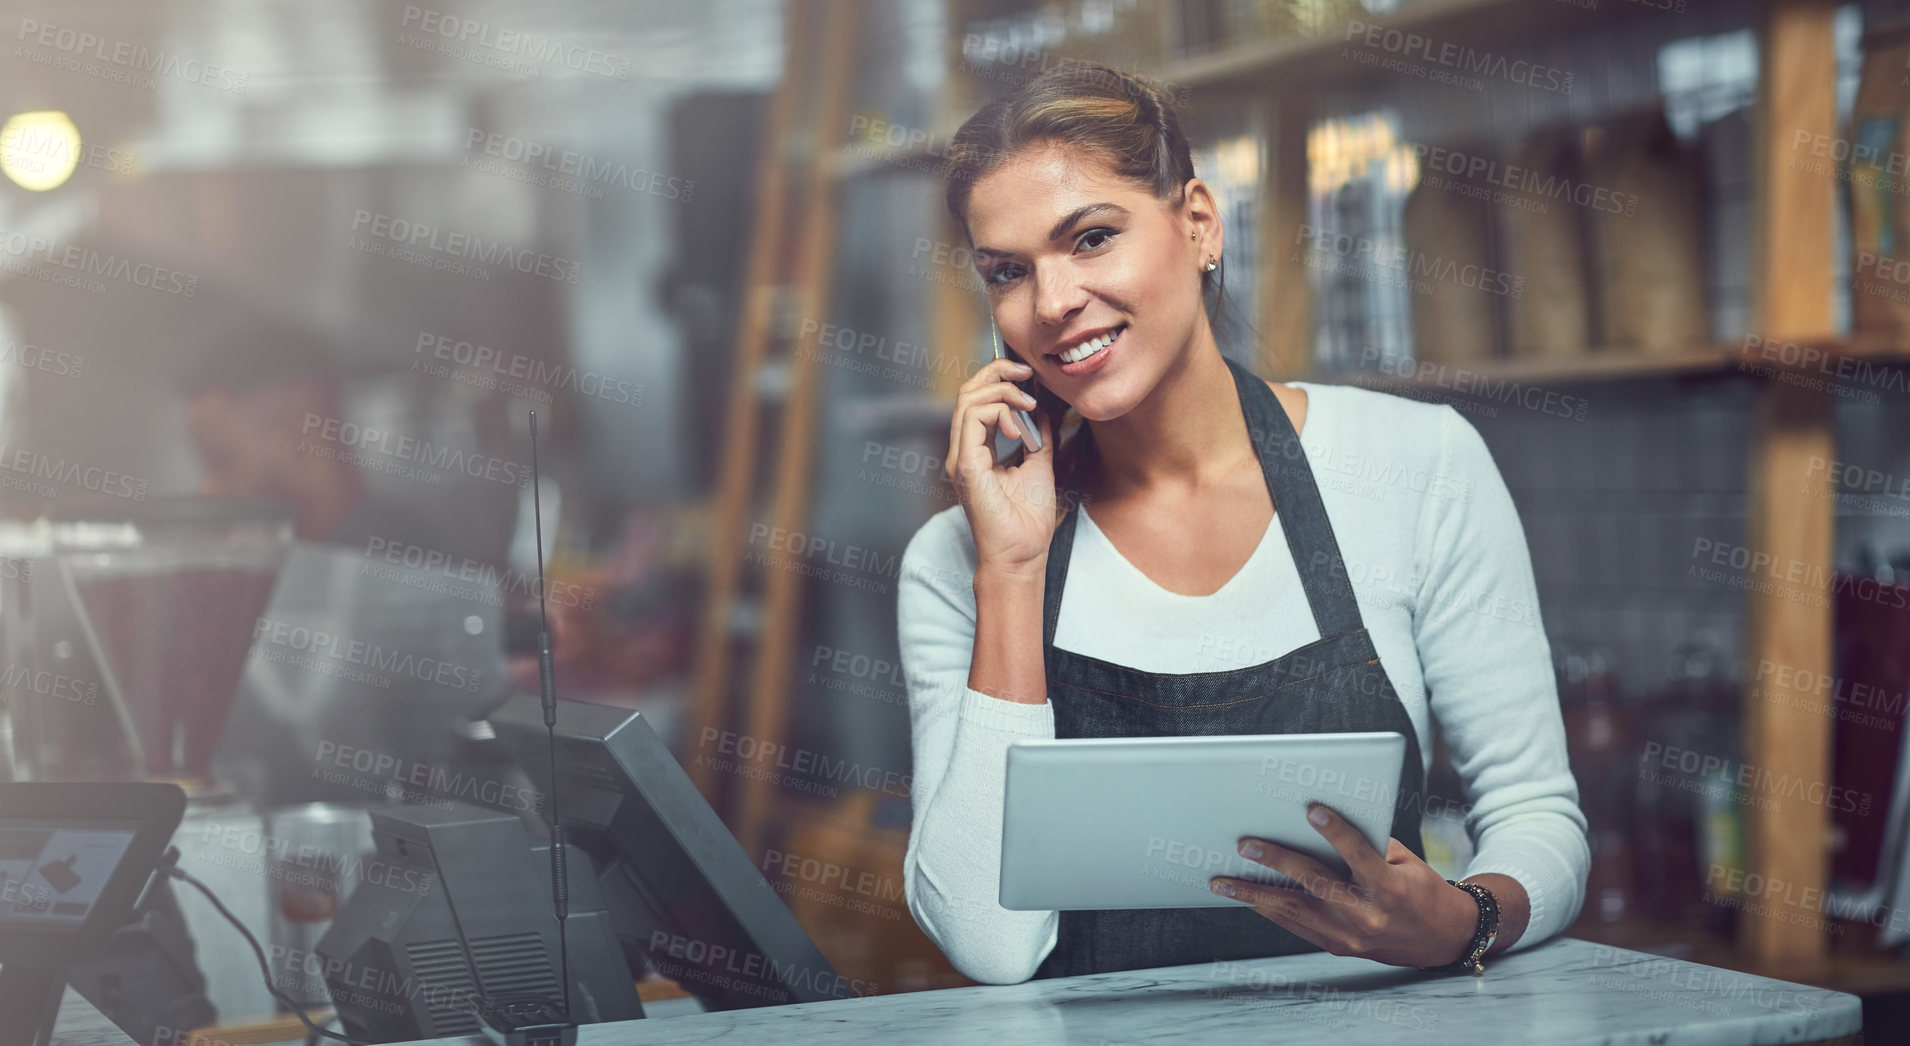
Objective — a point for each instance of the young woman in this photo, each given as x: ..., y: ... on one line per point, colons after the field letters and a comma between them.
x: 1210, y: 553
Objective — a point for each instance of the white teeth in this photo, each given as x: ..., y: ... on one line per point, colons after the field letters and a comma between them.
x: 1088, y: 348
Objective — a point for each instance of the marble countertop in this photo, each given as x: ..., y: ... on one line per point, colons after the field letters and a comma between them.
x: 80, y: 1024
x: 1562, y: 991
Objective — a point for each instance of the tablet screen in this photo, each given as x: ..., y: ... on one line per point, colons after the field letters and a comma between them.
x: 51, y: 874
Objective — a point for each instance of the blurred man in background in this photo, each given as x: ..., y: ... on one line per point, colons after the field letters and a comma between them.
x: 259, y: 406
x: 252, y: 403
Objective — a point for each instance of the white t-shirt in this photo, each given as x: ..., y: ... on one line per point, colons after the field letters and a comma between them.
x: 1433, y: 546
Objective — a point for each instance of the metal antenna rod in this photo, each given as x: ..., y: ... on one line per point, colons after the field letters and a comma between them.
x: 547, y: 681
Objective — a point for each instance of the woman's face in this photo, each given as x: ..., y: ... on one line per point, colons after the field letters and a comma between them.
x: 1065, y: 249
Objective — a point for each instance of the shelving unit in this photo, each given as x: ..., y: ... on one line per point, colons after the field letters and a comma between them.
x: 1791, y: 422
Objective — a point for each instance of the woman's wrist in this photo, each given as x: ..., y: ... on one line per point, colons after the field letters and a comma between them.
x: 1012, y: 578
x: 1008, y: 660
x: 1462, y: 922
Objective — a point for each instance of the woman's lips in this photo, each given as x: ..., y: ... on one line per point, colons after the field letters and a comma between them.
x: 1099, y: 359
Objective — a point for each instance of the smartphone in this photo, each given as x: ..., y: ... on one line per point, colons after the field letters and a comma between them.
x: 1030, y: 432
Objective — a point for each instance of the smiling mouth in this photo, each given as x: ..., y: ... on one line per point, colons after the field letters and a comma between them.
x: 1088, y: 349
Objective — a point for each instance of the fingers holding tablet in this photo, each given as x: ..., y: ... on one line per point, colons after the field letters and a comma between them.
x: 1297, y: 911
x: 1397, y: 909
x: 1366, y: 865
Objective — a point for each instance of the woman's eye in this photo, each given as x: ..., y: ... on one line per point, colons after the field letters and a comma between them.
x: 1093, y: 239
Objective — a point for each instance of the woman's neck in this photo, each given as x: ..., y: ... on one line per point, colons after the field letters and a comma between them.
x: 1187, y: 436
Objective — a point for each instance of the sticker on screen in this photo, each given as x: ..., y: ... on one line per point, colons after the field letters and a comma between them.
x: 52, y: 875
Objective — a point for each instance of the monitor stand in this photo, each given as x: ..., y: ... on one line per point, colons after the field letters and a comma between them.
x: 33, y: 992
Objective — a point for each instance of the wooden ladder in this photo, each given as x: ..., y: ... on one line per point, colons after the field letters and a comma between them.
x: 755, y: 587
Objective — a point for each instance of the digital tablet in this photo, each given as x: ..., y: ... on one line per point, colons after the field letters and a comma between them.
x: 1145, y: 822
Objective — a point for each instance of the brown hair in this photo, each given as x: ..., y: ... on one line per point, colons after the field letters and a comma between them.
x: 1118, y: 117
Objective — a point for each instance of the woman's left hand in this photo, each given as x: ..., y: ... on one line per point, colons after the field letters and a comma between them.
x: 1396, y: 910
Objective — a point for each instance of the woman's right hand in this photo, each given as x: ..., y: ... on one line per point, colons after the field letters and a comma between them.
x: 1011, y: 509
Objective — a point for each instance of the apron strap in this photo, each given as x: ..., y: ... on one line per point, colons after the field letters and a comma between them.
x: 1300, y: 512
x: 1060, y: 549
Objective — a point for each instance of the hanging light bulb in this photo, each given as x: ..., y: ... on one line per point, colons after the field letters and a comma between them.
x: 39, y: 150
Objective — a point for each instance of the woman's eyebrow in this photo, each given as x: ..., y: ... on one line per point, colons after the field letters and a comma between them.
x: 1061, y: 227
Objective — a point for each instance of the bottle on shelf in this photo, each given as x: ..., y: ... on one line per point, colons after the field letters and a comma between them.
x: 1601, y: 742
x: 1689, y: 832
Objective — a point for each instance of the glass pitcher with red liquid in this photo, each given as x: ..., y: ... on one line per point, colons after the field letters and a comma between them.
x: 168, y: 593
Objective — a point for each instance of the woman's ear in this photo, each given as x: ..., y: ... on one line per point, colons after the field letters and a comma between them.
x: 1204, y: 210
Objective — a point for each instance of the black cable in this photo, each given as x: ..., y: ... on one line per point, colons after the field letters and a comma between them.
x: 265, y: 968
x: 311, y: 1037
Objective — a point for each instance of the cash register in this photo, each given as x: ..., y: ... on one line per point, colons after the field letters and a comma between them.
x: 656, y: 883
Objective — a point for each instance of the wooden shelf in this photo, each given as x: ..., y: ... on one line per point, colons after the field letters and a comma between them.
x: 1820, y: 357
x: 1260, y: 59
x: 1316, y: 58
x: 1592, y: 366
x: 657, y: 989
x: 282, y: 1028
x: 1313, y: 57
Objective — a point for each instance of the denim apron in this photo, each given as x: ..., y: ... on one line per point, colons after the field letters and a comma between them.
x: 1334, y: 684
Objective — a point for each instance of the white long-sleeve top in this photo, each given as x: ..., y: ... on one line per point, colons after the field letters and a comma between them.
x: 1439, y: 565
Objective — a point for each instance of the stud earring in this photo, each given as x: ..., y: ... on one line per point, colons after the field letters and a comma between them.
x: 1212, y: 264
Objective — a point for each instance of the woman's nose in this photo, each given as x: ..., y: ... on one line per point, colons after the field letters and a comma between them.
x: 1057, y: 297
